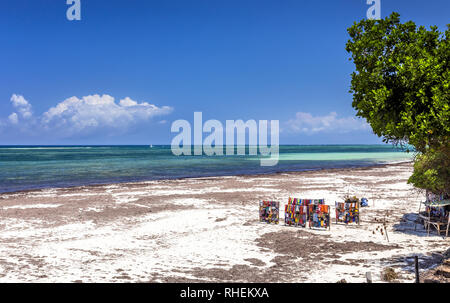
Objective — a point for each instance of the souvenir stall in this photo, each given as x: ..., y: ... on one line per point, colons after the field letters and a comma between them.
x: 436, y: 214
x: 348, y: 212
x: 295, y: 212
x: 319, y: 216
x: 269, y: 211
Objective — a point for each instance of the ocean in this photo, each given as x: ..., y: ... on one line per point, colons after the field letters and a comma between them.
x: 35, y: 167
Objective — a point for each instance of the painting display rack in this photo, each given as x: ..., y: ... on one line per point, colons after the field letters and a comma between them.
x: 296, y: 212
x: 319, y: 216
x: 269, y: 212
x: 348, y: 212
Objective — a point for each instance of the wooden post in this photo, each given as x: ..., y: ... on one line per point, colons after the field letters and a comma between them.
x: 369, y: 277
x: 448, y: 223
x: 336, y: 211
x: 329, y: 217
x: 310, y: 216
x: 359, y: 212
x: 416, y: 266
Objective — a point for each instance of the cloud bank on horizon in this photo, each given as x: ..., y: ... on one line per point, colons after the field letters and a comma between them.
x: 306, y: 123
x: 81, y: 116
x: 98, y: 115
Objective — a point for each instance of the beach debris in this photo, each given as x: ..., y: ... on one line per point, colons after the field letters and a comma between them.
x: 439, y: 274
x: 350, y: 199
x: 364, y: 202
x: 382, y: 227
x: 389, y: 274
x: 342, y: 281
x: 443, y: 271
x: 431, y: 281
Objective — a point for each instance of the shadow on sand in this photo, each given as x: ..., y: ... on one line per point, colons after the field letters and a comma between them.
x: 426, y: 261
x: 410, y: 224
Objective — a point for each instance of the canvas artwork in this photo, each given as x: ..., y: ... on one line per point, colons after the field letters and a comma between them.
x: 296, y: 212
x: 319, y: 216
x: 269, y: 211
x: 347, y: 212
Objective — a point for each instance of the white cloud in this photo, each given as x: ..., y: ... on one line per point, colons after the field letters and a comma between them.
x: 13, y: 118
x: 22, y: 106
x: 95, y: 111
x: 80, y: 116
x: 127, y: 102
x: 308, y: 124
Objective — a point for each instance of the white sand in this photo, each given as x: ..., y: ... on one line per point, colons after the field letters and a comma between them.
x: 198, y: 229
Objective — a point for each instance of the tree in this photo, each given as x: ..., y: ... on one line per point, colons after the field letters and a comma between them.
x: 432, y: 171
x: 401, y: 85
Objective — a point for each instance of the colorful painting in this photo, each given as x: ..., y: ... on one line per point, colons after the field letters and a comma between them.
x: 347, y: 212
x: 269, y: 212
x: 296, y: 212
x: 319, y: 216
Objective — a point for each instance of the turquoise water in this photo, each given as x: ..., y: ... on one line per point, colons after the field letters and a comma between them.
x: 32, y: 167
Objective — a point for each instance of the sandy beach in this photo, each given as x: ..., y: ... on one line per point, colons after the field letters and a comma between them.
x: 207, y: 230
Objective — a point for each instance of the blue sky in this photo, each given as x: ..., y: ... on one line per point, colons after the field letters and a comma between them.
x: 128, y: 69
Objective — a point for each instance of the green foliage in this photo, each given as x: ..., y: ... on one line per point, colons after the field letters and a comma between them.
x: 402, y: 80
x: 432, y: 171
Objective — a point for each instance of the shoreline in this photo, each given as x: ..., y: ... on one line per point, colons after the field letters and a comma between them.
x: 212, y: 176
